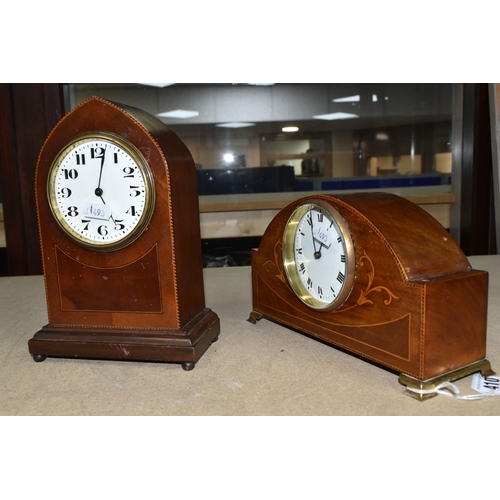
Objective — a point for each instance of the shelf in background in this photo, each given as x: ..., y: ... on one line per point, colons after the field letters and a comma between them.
x: 243, y: 215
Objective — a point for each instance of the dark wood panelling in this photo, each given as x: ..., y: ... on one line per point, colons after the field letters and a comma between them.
x: 28, y: 114
x: 477, y: 195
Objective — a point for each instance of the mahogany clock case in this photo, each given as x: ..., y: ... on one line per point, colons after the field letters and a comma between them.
x: 416, y: 306
x: 144, y: 301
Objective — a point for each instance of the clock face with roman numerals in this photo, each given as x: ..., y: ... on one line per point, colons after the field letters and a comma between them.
x: 101, y: 191
x: 318, y: 255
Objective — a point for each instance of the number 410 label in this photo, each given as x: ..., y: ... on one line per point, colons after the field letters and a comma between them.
x: 484, y: 385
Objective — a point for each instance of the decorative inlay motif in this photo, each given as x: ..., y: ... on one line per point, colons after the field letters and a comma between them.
x: 276, y: 263
x: 362, y: 299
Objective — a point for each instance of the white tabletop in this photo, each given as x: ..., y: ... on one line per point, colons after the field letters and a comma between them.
x: 253, y: 369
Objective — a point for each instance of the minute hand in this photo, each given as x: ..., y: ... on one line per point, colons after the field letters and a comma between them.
x: 98, y: 190
x: 317, y: 253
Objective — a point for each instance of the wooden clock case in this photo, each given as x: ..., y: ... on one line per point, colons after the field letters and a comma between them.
x: 146, y: 300
x: 416, y: 306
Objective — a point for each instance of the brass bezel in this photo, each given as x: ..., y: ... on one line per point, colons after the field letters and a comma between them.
x: 289, y: 256
x: 148, y: 182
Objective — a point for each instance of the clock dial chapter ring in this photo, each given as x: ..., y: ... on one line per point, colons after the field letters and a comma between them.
x: 319, y: 255
x: 101, y: 191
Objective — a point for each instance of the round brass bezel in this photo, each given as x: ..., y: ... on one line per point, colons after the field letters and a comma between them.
x: 150, y: 194
x: 289, y: 256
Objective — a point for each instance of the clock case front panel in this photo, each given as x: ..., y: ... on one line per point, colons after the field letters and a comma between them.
x: 416, y: 306
x: 146, y: 300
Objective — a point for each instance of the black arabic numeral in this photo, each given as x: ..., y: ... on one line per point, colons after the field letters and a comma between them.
x: 118, y: 225
x: 128, y: 171
x: 70, y: 173
x: 72, y: 211
x: 136, y: 191
x: 97, y: 152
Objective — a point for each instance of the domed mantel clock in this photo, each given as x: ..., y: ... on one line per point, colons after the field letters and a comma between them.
x: 376, y: 275
x: 118, y: 214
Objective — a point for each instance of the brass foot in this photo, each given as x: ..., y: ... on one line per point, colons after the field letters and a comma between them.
x: 254, y: 317
x: 482, y: 366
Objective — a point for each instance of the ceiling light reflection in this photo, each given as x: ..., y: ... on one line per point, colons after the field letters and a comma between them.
x: 351, y: 98
x: 179, y: 113
x: 236, y: 124
x: 336, y: 116
x: 159, y: 85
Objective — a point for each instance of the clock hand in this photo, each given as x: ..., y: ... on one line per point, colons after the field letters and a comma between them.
x: 317, y: 253
x: 102, y: 199
x: 98, y: 190
x: 312, y: 232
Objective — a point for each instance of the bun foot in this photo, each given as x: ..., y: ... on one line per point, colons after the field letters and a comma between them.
x: 38, y: 358
x: 188, y: 366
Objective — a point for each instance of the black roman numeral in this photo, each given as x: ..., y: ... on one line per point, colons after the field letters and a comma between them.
x: 340, y: 277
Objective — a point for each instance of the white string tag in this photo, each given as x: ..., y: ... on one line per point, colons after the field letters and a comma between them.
x: 486, y: 387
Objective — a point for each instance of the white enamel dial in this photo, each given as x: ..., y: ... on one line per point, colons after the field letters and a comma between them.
x: 318, y: 256
x: 101, y: 191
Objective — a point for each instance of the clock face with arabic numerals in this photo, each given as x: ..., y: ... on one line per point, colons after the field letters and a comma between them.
x: 101, y: 191
x: 318, y: 255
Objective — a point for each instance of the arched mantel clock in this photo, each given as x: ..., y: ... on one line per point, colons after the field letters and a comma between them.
x: 117, y: 203
x: 378, y: 276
